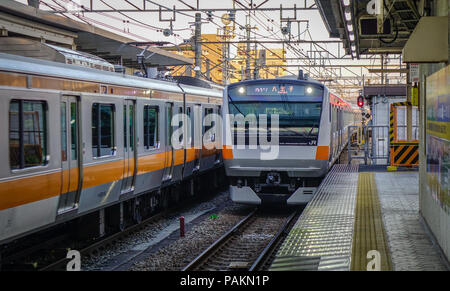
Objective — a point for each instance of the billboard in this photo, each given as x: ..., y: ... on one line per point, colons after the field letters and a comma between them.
x: 438, y: 137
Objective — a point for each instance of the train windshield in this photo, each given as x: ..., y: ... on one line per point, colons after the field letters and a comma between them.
x: 295, y: 118
x: 298, y: 106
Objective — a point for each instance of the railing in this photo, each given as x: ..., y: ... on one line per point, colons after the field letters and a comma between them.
x: 373, y: 140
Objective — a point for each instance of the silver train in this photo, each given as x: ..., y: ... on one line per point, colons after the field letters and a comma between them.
x: 77, y: 141
x: 312, y: 132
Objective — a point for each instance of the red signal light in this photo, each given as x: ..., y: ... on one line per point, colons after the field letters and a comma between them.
x: 360, y: 101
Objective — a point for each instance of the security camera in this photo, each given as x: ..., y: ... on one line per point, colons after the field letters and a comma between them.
x: 285, y: 30
x: 167, y: 32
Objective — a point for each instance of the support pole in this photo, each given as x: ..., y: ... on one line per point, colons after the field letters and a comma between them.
x: 408, y: 108
x: 226, y: 58
x: 197, y: 44
x: 247, y: 51
x: 255, y: 68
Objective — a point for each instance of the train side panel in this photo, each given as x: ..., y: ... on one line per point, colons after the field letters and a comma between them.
x: 29, y: 195
x: 75, y: 152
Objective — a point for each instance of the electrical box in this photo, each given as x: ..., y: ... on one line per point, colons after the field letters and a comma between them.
x: 368, y: 27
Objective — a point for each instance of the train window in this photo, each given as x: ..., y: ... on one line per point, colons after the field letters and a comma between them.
x: 180, y: 123
x: 74, y: 130
x: 189, y: 126
x: 27, y: 134
x: 151, y: 136
x: 130, y: 114
x: 169, y: 124
x: 63, y: 132
x: 329, y: 112
x: 103, y: 130
x: 207, y: 112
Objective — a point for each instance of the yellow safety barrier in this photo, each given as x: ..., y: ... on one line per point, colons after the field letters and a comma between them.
x: 402, y: 153
x: 405, y: 154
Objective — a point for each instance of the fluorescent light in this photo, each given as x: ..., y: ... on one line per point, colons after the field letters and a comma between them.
x: 346, y: 2
x: 352, y: 36
x: 348, y: 14
x: 350, y: 27
x: 353, y: 47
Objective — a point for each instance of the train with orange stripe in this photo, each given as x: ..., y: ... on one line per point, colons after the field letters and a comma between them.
x: 281, y: 137
x: 79, y: 141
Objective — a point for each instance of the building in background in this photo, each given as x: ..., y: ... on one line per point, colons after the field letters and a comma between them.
x: 269, y: 63
x: 211, y: 59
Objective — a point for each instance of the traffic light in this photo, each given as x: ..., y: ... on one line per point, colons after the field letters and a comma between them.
x: 360, y: 101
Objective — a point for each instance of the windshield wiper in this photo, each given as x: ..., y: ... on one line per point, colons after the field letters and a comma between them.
x: 312, y: 128
x: 232, y: 103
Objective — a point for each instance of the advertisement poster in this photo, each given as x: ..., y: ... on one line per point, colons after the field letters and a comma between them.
x: 438, y: 136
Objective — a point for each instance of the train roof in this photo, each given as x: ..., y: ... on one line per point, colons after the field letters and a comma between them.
x: 33, y: 66
x: 278, y: 80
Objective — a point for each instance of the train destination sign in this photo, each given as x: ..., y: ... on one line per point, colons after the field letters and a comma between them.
x: 275, y: 89
x: 273, y: 92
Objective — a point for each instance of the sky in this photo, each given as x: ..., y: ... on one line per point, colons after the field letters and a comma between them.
x: 144, y: 26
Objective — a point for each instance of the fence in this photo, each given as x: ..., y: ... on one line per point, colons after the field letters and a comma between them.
x: 373, y: 140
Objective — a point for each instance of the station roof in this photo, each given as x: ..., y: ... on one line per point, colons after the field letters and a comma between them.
x: 22, y: 19
x: 402, y: 17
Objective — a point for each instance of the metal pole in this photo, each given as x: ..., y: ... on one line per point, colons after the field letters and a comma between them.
x: 409, y: 107
x: 198, y: 45
x: 255, y: 69
x: 208, y: 71
x: 247, y: 53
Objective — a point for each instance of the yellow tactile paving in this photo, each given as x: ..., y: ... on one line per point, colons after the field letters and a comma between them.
x: 369, y: 233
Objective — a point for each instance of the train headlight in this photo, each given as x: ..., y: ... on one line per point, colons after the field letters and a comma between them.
x: 309, y: 90
x: 241, y: 90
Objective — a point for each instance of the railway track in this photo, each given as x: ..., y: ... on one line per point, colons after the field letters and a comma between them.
x: 50, y: 255
x: 249, y: 245
x: 101, y: 244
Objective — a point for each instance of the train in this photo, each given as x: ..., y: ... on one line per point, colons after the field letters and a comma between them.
x: 79, y: 141
x: 282, y: 163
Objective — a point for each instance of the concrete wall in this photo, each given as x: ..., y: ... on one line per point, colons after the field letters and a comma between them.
x: 434, y: 214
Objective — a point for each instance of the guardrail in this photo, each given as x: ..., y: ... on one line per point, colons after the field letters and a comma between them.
x: 373, y: 140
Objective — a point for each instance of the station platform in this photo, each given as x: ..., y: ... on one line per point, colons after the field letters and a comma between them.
x: 354, y: 212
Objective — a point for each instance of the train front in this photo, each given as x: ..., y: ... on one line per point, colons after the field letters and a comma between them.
x: 276, y: 140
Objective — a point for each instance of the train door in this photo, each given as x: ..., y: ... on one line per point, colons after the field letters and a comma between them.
x: 218, y: 138
x: 129, y: 146
x: 330, y: 120
x: 189, y: 143
x: 339, y: 129
x: 70, y: 154
x: 169, y: 153
x: 198, y: 135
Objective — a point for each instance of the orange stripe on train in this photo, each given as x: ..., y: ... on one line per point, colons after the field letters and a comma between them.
x: 31, y: 189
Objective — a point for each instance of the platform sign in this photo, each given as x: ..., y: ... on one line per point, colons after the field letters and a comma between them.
x: 438, y: 137
x: 413, y: 72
